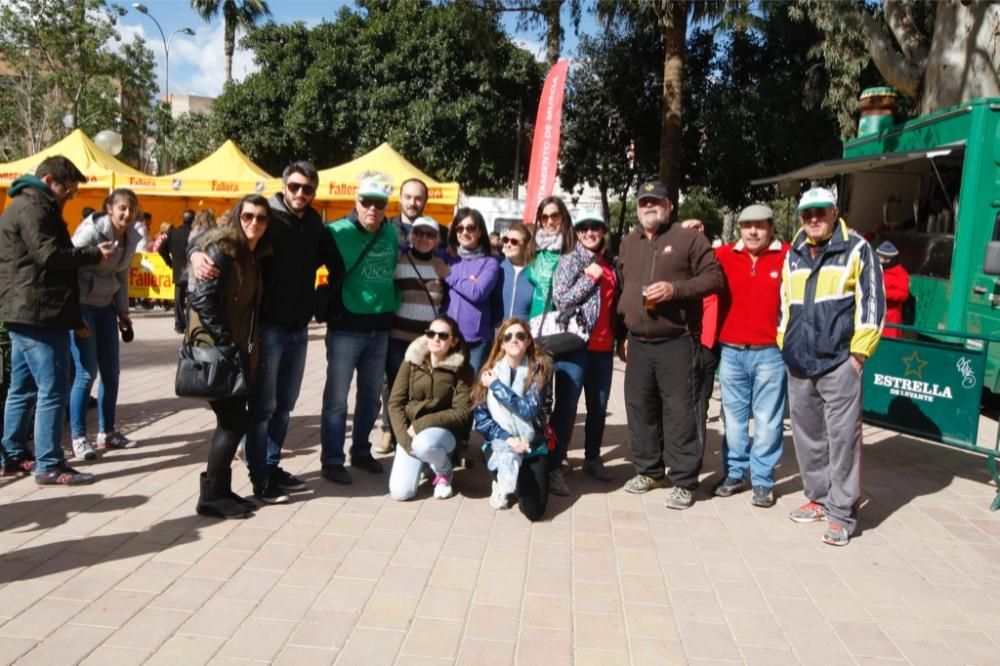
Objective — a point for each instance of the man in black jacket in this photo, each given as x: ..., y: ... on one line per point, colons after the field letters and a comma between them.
x: 174, y: 253
x: 40, y: 303
x: 301, y: 245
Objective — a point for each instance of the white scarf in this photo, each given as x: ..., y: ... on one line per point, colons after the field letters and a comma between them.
x: 503, y: 416
x: 548, y: 241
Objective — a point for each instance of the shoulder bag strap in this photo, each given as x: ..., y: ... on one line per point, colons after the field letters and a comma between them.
x: 361, y: 257
x: 422, y: 283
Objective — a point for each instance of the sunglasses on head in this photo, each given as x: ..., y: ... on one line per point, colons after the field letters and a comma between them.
x: 584, y: 227
x: 510, y: 240
x: 307, y: 189
x: 466, y: 229
x: 520, y: 335
x: 378, y: 204
x: 249, y: 217
x: 441, y: 335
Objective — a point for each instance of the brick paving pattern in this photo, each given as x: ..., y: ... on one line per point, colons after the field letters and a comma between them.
x: 123, y: 571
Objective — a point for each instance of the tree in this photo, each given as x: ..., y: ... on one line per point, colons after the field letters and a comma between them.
x: 936, y: 53
x: 63, y: 71
x: 235, y: 14
x: 611, y: 119
x: 441, y: 83
x: 193, y: 137
x: 544, y: 13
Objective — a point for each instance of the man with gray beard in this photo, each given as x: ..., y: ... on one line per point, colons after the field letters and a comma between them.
x: 666, y: 271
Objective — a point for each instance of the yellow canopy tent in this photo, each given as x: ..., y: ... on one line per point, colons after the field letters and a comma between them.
x: 102, y: 170
x: 216, y: 182
x: 338, y: 185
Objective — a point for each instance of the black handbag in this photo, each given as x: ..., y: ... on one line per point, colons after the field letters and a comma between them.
x: 209, y: 371
x: 563, y: 333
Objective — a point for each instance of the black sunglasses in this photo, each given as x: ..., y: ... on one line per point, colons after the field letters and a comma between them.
x: 307, y: 189
x: 441, y: 335
x: 249, y: 217
x: 510, y: 240
x: 589, y: 226
x: 373, y: 203
x: 424, y: 233
x: 520, y: 335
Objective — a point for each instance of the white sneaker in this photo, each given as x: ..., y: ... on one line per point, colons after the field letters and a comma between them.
x: 498, y: 499
x: 83, y: 449
x: 442, y: 486
x: 114, y: 440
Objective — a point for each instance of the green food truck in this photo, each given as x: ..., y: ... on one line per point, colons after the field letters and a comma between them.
x: 931, y: 186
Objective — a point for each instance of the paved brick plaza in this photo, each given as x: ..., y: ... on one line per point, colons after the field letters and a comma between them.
x: 124, y: 572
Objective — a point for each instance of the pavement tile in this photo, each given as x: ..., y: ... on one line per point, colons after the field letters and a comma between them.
x: 258, y: 639
x: 473, y: 652
x: 707, y: 640
x: 294, y: 655
x: 310, y: 572
x: 248, y: 585
x: 756, y: 630
x: 499, y: 589
x: 433, y: 638
x: 972, y: 646
x: 547, y: 611
x: 656, y: 652
x: 757, y: 656
x: 927, y: 653
x: 218, y: 618
x: 371, y: 647
x: 324, y: 629
x: 403, y: 580
x: 148, y: 629
x: 187, y: 593
x: 544, y: 646
x: 45, y: 617
x: 345, y: 594
x: 389, y: 611
x: 603, y: 631
x: 69, y: 645
x: 818, y: 647
x: 186, y: 649
x: 597, y: 597
x: 363, y: 564
x: 494, y: 623
x: 550, y: 580
x: 587, y: 657
x: 455, y: 572
x: 108, y: 655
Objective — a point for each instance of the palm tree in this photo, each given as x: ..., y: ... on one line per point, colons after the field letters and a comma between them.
x: 235, y: 13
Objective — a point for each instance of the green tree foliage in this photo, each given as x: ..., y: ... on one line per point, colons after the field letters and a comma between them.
x: 611, y: 117
x: 699, y: 205
x: 544, y: 14
x: 441, y: 83
x: 193, y: 137
x: 136, y: 75
x: 243, y: 14
x: 63, y: 65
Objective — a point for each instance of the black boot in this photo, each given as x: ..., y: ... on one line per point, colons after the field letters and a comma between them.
x: 214, y: 500
x: 242, y: 501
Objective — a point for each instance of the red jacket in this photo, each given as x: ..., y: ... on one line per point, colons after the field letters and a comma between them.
x: 750, y: 305
x: 897, y: 290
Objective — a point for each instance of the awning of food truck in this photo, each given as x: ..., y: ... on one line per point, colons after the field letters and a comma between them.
x: 831, y: 168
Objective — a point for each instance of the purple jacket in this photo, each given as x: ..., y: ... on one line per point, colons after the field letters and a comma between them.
x: 469, y: 300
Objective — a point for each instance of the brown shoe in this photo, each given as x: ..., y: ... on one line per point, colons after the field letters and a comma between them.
x: 384, y: 444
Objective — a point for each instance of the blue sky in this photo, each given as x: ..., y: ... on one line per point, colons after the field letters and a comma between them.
x: 197, y: 64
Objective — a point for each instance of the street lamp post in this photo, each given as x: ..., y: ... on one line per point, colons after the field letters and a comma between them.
x: 143, y: 9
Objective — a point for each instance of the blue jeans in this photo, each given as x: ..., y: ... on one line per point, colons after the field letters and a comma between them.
x: 394, y: 356
x: 346, y: 352
x: 93, y: 354
x: 39, y: 378
x: 588, y: 372
x: 280, y: 366
x: 477, y: 355
x: 753, y: 382
x: 431, y: 447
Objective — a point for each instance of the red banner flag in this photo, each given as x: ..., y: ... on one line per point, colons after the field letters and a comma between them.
x: 545, y: 143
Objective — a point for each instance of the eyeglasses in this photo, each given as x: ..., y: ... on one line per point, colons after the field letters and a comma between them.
x: 441, y: 335
x: 466, y: 229
x: 520, y: 335
x: 649, y: 201
x: 813, y: 214
x: 421, y: 233
x: 247, y: 218
x: 555, y: 217
x: 584, y: 227
x: 510, y: 240
x: 306, y: 188
x: 378, y: 204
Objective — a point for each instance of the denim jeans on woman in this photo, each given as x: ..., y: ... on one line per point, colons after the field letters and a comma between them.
x: 753, y: 383
x: 97, y: 353
x: 431, y: 447
x: 347, y: 351
x: 40, y: 361
x: 280, y: 367
x: 588, y: 372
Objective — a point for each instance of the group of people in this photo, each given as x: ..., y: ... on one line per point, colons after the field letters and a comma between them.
x: 449, y: 337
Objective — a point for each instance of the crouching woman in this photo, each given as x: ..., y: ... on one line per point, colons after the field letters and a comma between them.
x: 513, y: 398
x: 429, y: 408
x: 224, y: 312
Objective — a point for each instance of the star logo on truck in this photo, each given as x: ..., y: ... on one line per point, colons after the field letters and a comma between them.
x: 914, y: 365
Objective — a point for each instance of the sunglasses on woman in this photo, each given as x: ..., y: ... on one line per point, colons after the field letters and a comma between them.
x: 509, y: 240
x: 249, y: 217
x: 441, y: 335
x: 520, y: 335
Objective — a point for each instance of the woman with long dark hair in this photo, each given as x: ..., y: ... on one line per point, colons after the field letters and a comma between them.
x: 553, y: 238
x: 471, y: 277
x: 224, y: 313
x: 104, y: 306
x: 512, y: 399
x: 429, y: 407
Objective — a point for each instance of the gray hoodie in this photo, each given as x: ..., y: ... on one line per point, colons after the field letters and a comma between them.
x: 106, y: 283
